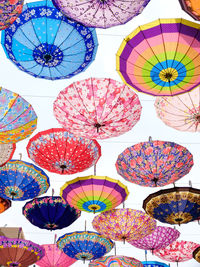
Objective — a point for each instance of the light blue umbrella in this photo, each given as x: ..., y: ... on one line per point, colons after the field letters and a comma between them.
x: 46, y: 44
x: 154, y: 264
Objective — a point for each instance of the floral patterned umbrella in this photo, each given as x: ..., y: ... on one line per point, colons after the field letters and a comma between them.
x: 196, y: 254
x: 154, y: 264
x: 97, y: 108
x: 20, y: 180
x: 61, y: 152
x: 94, y: 193
x: 9, y: 10
x: 6, y: 153
x: 176, y: 205
x: 178, y: 251
x: 154, y: 163
x: 117, y: 261
x: 17, y: 117
x: 124, y: 224
x: 44, y: 43
x: 15, y: 252
x: 180, y: 112
x: 101, y: 13
x: 192, y: 7
x: 4, y: 204
x: 50, y: 213
x: 161, y: 237
x: 54, y: 257
x: 84, y: 245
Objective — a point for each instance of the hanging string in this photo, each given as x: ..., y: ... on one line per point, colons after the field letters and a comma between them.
x: 145, y: 255
x: 95, y: 169
x: 190, y: 183
x: 20, y: 156
x: 123, y: 205
x: 52, y: 193
x: 115, y: 249
x: 85, y: 225
x: 19, y: 232
x: 150, y: 139
x: 55, y: 237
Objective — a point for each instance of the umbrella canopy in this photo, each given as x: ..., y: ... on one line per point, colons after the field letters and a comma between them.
x: 16, y: 252
x: 4, y: 204
x: 54, y: 257
x: 161, y: 57
x: 9, y: 10
x: 196, y: 254
x: 192, y: 7
x: 180, y: 112
x: 20, y: 180
x: 101, y: 14
x: 6, y: 153
x: 178, y: 251
x: 17, y: 117
x: 97, y: 108
x: 94, y: 193
x: 50, y: 213
x: 117, y: 261
x: 124, y: 224
x: 154, y: 163
x: 84, y: 245
x: 154, y: 264
x: 161, y: 237
x: 174, y: 206
x: 44, y: 43
x: 61, y: 152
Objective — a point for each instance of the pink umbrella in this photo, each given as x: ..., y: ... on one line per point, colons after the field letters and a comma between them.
x: 54, y: 257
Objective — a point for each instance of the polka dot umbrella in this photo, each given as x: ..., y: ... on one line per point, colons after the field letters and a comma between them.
x: 161, y: 58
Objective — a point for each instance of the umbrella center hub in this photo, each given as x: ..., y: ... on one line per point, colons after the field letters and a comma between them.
x: 168, y: 76
x: 197, y: 117
x: 47, y: 57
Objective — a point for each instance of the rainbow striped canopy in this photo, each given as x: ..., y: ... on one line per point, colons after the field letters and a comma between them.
x: 94, y: 193
x: 161, y: 57
x: 117, y: 261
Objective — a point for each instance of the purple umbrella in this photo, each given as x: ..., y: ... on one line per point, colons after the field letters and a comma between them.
x: 101, y: 13
x: 160, y: 238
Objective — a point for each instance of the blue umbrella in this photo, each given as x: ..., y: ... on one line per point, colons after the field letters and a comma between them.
x: 154, y: 264
x: 50, y: 213
x: 46, y: 44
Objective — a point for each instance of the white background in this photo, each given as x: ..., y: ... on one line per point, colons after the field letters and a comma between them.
x: 41, y: 94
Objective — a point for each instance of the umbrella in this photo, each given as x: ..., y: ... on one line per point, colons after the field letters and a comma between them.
x: 192, y: 7
x: 161, y: 57
x: 84, y: 245
x: 196, y: 254
x: 176, y: 205
x: 154, y: 264
x: 6, y: 153
x: 16, y: 252
x: 101, y: 14
x: 9, y: 10
x: 54, y: 257
x: 61, y: 152
x: 50, y: 213
x: 52, y: 46
x: 117, y: 261
x: 154, y: 163
x: 20, y: 180
x: 17, y: 117
x: 4, y: 204
x: 161, y: 237
x: 124, y: 224
x: 178, y: 251
x: 97, y: 108
x: 94, y: 193
x: 180, y: 112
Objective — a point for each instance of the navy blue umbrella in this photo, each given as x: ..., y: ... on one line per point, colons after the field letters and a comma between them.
x: 50, y: 213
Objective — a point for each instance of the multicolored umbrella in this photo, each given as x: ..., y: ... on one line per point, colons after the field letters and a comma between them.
x: 17, y: 117
x: 61, y: 152
x: 50, y: 213
x: 154, y: 264
x: 154, y: 163
x: 20, y: 180
x: 97, y: 108
x: 192, y: 7
x: 196, y: 254
x: 178, y: 251
x: 117, y: 261
x: 101, y: 14
x: 54, y: 257
x: 4, y: 204
x: 176, y: 205
x: 180, y: 112
x: 84, y: 245
x: 10, y: 11
x: 124, y: 224
x: 161, y: 237
x: 44, y: 43
x: 94, y: 193
x: 16, y: 252
x: 161, y: 58
x: 6, y: 152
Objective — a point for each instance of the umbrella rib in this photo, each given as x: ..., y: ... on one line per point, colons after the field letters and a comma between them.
x: 94, y: 104
x: 106, y: 97
x: 55, y: 145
